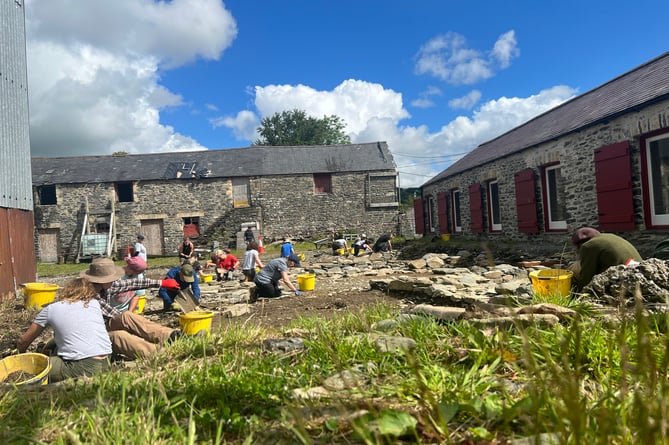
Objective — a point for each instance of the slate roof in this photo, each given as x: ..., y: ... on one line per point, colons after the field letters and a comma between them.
x: 224, y: 163
x: 639, y: 87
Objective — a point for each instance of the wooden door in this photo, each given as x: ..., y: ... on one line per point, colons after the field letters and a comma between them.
x: 152, y: 229
x: 49, y: 245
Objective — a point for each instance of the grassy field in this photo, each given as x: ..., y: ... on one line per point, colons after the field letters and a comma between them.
x: 590, y: 380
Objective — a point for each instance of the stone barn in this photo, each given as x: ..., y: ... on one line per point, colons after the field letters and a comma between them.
x: 96, y: 205
x: 600, y: 159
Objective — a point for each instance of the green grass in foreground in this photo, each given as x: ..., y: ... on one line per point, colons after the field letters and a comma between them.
x: 587, y: 381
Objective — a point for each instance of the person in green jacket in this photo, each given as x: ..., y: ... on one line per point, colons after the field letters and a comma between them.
x: 599, y: 251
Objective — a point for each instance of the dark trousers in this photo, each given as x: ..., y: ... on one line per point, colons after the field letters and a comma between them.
x: 269, y: 290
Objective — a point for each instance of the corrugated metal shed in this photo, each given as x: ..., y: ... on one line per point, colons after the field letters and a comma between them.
x: 643, y: 85
x: 227, y: 163
x: 15, y: 180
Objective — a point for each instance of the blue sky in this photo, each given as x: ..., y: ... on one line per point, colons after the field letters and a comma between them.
x: 432, y: 78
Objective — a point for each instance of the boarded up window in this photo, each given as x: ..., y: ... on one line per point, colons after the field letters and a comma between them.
x: 322, y: 183
x: 192, y: 226
x: 382, y: 190
x: 476, y: 208
x: 526, y: 202
x: 241, y: 196
x: 442, y: 212
x: 613, y: 176
x: 418, y: 215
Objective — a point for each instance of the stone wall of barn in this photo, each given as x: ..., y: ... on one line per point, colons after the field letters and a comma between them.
x: 575, y: 153
x: 282, y: 205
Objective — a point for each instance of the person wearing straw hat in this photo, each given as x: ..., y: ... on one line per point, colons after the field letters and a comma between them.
x: 82, y: 345
x: 131, y: 334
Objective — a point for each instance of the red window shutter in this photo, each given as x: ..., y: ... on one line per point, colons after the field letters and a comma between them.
x: 418, y: 215
x: 442, y: 213
x: 526, y: 202
x: 476, y: 208
x: 613, y: 177
x: 191, y: 230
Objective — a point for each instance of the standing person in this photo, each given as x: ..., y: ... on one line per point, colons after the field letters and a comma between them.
x: 597, y: 252
x: 82, y: 344
x: 251, y: 260
x: 185, y: 277
x: 131, y: 334
x: 267, y: 280
x: 383, y: 244
x: 248, y: 235
x: 140, y: 248
x: 287, y: 248
x: 186, y: 250
x: 361, y: 244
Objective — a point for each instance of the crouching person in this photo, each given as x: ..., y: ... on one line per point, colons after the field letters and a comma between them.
x: 82, y: 346
x: 131, y: 334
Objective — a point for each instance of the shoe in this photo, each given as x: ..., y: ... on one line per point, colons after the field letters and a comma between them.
x: 175, y: 335
x: 253, y: 294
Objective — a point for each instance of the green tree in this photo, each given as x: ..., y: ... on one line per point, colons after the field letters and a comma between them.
x: 295, y: 127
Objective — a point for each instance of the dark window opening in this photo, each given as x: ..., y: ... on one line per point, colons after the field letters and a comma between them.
x: 47, y: 195
x: 125, y: 192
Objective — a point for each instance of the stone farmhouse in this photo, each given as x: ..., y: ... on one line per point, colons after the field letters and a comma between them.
x: 601, y: 159
x: 96, y: 205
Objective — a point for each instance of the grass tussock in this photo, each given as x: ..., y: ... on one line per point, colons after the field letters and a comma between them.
x: 591, y: 380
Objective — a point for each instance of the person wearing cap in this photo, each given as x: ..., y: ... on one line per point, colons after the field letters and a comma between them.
x: 185, y: 277
x: 127, y: 301
x: 597, y: 252
x: 140, y: 248
x: 131, y: 334
x: 81, y: 344
x: 361, y: 244
x: 267, y: 280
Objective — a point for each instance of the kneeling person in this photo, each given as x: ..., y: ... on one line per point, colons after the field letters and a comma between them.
x: 267, y: 280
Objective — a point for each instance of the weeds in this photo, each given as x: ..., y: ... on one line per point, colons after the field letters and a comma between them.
x: 586, y: 381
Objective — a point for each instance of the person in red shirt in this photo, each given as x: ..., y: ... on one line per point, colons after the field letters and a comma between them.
x: 228, y: 264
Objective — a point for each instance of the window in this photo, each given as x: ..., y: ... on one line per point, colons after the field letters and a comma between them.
x: 47, y: 195
x: 656, y: 150
x: 192, y: 226
x: 555, y: 211
x: 124, y: 192
x: 322, y: 183
x: 455, y: 202
x: 494, y: 215
x: 241, y: 195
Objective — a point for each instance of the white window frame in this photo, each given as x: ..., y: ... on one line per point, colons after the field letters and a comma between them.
x: 493, y: 203
x: 660, y: 174
x: 456, y: 210
x: 430, y: 206
x: 553, y: 224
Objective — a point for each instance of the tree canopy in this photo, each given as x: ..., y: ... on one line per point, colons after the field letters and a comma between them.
x: 295, y: 127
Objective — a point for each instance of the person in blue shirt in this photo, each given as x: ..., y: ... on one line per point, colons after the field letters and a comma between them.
x: 186, y: 277
x: 287, y: 248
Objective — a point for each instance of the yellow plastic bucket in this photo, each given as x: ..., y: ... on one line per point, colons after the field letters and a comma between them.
x: 446, y: 236
x: 206, y: 277
x: 193, y: 322
x: 301, y: 256
x: 39, y: 294
x: 141, y: 304
x: 551, y: 282
x: 341, y: 251
x: 306, y: 281
x: 30, y: 368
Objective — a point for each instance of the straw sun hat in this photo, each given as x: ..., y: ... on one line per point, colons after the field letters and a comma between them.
x: 102, y: 270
